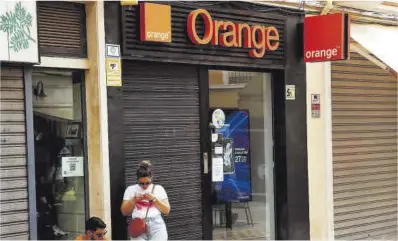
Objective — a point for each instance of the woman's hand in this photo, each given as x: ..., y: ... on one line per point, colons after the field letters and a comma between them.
x: 149, y: 197
x: 136, y: 199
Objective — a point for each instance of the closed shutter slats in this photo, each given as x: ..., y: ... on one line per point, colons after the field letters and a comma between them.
x: 363, y: 208
x: 357, y: 69
x: 365, y: 156
x: 378, y: 234
x: 362, y: 77
x: 11, y: 106
x: 161, y: 123
x: 373, y: 177
x: 14, y: 221
x: 363, y: 84
x: 360, y: 127
x: 363, y: 193
x: 371, y: 212
x: 365, y: 163
x: 370, y: 142
x: 13, y: 161
x: 366, y: 220
x: 61, y: 27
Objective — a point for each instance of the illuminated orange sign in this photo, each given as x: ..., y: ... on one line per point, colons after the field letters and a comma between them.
x: 257, y: 38
x: 155, y: 22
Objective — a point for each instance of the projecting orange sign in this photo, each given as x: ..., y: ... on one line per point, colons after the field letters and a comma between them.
x: 258, y: 39
x: 326, y: 37
x: 155, y: 22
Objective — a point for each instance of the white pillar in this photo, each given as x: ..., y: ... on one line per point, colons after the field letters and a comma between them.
x: 97, y: 115
x: 320, y: 166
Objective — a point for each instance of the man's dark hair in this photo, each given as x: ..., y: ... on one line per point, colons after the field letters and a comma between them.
x: 94, y: 223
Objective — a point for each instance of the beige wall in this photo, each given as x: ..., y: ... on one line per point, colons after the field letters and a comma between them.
x: 224, y: 98
x: 97, y: 115
x: 319, y: 142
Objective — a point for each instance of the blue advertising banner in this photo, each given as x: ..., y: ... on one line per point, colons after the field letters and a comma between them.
x: 237, y: 171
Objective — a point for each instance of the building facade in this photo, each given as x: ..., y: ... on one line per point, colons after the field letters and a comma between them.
x: 175, y: 81
x: 50, y: 94
x: 218, y: 98
x: 356, y: 144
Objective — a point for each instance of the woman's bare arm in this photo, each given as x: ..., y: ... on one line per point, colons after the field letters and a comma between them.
x: 163, y: 206
x: 128, y: 206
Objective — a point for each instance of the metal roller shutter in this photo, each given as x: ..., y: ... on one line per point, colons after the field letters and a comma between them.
x: 364, y: 102
x: 61, y: 28
x: 14, y: 221
x: 161, y: 121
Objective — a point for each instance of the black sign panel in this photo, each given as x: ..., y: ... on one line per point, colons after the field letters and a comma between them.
x: 182, y: 50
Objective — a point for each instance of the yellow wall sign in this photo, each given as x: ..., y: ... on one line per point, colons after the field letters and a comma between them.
x: 113, y: 72
x: 128, y: 2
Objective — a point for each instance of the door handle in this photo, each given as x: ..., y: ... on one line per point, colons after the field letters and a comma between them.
x: 205, y: 163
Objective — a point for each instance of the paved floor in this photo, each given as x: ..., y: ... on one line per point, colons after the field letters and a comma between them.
x: 241, y: 229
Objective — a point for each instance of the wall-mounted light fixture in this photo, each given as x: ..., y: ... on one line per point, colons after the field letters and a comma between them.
x: 39, y: 90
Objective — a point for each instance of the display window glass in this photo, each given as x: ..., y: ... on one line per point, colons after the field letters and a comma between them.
x: 242, y: 155
x: 59, y: 153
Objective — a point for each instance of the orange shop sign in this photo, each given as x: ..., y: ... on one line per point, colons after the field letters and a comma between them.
x: 155, y: 21
x: 326, y: 37
x: 258, y: 39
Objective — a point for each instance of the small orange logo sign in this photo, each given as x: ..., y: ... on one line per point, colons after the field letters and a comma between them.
x: 155, y: 22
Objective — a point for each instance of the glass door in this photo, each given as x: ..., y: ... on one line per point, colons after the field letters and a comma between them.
x: 242, y: 155
x: 59, y: 153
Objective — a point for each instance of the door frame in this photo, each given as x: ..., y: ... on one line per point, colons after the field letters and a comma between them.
x: 205, y: 150
x: 205, y: 138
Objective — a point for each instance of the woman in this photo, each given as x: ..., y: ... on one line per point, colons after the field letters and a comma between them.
x: 149, y: 201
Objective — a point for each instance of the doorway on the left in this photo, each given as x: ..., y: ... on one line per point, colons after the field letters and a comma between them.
x: 59, y: 153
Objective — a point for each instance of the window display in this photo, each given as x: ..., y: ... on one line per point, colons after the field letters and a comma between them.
x: 234, y: 136
x: 59, y: 154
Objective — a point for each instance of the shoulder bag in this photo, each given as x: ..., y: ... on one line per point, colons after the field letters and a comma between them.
x: 138, y: 226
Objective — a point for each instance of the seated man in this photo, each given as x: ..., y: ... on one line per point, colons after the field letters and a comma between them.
x: 95, y: 230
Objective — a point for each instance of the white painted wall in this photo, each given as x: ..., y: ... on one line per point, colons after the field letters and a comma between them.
x: 319, y: 142
x: 28, y: 53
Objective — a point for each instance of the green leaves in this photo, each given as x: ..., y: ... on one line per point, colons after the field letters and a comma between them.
x: 8, y: 23
x: 18, y: 41
x: 22, y: 16
x: 17, y: 24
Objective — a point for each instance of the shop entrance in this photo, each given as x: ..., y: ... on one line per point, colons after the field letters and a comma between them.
x: 242, y: 159
x: 161, y: 124
x: 60, y: 161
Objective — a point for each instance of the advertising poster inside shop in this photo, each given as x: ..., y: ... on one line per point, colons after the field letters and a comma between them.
x: 234, y: 138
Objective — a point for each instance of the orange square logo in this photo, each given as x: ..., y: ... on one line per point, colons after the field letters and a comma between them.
x: 155, y: 22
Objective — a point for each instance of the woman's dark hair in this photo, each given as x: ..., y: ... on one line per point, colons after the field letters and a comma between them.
x: 144, y: 169
x: 94, y: 223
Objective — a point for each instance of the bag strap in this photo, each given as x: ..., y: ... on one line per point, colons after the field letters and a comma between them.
x: 147, y: 210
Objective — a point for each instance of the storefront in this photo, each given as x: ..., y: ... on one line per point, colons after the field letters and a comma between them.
x: 215, y: 96
x: 18, y: 53
x: 352, y: 135
x: 364, y: 117
x: 59, y: 124
x: 44, y: 156
x: 365, y: 121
